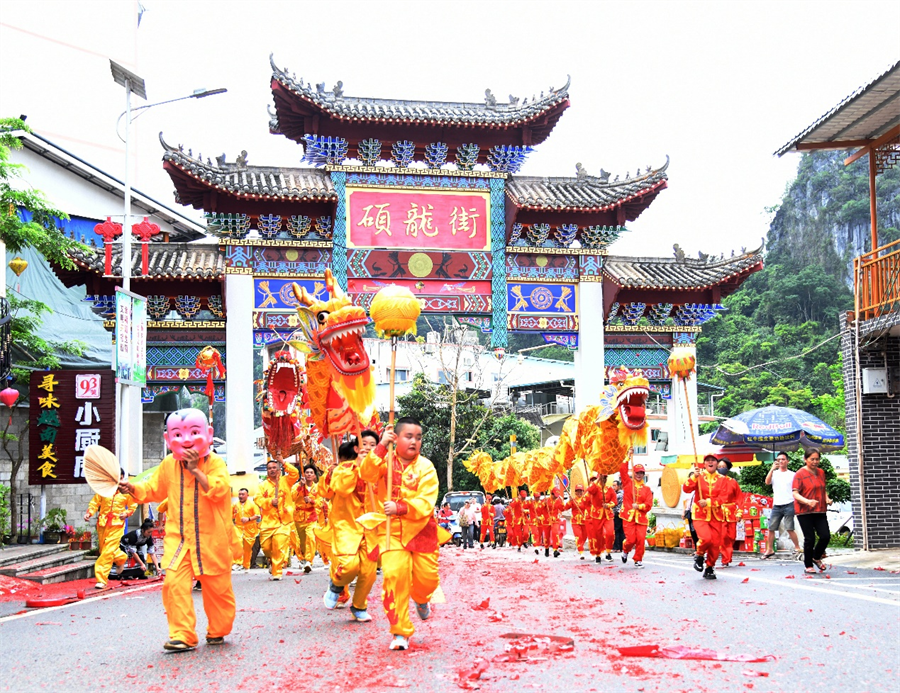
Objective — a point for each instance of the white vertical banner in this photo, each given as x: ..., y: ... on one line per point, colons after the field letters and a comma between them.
x: 131, y: 338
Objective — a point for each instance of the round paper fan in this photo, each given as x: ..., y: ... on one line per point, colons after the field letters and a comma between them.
x: 101, y: 470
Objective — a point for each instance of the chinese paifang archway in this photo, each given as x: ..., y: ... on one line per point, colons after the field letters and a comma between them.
x: 426, y: 195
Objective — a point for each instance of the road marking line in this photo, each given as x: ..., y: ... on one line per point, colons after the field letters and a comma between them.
x: 809, y: 588
x: 86, y: 600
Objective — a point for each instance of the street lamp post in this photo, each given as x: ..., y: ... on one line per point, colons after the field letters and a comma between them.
x: 128, y: 395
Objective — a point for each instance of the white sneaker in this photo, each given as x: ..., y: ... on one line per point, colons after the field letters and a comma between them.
x: 399, y: 642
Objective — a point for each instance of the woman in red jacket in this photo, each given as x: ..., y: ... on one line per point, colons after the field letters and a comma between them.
x: 710, y: 489
x: 811, y: 503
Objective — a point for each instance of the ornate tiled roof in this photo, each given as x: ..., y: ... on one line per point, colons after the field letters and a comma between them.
x: 674, y: 273
x: 583, y: 192
x: 866, y: 114
x: 166, y: 260
x: 488, y: 113
x: 249, y: 181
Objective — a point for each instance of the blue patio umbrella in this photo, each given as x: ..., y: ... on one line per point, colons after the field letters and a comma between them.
x: 778, y: 428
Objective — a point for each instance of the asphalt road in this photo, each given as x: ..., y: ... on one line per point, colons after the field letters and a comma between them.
x: 837, y: 634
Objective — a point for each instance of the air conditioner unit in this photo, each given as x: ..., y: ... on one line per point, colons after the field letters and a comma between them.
x: 874, y: 381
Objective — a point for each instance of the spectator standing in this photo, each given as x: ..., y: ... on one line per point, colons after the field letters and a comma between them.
x: 499, y: 516
x: 782, y: 481
x: 811, y: 503
x: 617, y: 521
x: 476, y: 523
x: 466, y: 520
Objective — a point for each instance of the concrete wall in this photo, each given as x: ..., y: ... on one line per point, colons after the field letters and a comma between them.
x: 881, y: 440
x: 74, y: 498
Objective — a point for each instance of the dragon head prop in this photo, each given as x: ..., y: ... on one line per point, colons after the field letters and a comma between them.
x: 283, y: 383
x: 337, y: 363
x: 603, y: 434
x: 632, y: 389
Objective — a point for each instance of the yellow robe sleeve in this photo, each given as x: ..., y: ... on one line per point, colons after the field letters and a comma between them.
x: 420, y: 502
x: 344, y: 478
x: 94, y: 505
x: 154, y: 489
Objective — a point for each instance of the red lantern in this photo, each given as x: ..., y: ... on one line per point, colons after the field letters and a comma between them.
x: 144, y: 231
x: 9, y: 397
x: 109, y: 230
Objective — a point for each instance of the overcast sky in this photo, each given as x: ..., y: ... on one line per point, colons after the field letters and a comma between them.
x: 716, y: 86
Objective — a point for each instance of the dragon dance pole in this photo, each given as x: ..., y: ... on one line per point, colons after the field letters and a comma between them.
x: 687, y: 404
x: 390, y: 459
x: 394, y: 311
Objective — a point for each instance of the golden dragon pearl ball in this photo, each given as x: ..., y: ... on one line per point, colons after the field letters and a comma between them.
x: 394, y: 311
x: 682, y: 362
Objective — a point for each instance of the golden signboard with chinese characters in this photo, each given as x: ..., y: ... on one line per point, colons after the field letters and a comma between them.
x: 71, y: 410
x: 434, y: 219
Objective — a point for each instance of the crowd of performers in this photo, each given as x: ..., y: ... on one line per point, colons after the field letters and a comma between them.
x: 536, y: 520
x: 343, y: 513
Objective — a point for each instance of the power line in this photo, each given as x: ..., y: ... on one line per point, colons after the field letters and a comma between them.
x: 781, y: 360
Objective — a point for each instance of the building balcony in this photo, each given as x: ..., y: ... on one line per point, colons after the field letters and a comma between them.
x: 878, y: 281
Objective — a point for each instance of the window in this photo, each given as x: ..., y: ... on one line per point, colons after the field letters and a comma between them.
x: 402, y: 375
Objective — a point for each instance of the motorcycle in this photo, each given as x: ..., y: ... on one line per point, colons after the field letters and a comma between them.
x: 500, y: 532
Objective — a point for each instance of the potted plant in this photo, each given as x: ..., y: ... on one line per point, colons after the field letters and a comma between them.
x: 80, y: 540
x: 54, y: 524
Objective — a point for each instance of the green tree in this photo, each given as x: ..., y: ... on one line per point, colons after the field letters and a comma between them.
x: 32, y: 353
x: 431, y: 404
x: 42, y: 231
x: 478, y: 427
x: 494, y: 439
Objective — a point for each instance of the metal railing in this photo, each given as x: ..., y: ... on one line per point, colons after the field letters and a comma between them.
x: 548, y: 408
x: 878, y: 281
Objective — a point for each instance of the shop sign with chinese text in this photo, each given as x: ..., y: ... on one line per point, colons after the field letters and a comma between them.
x: 71, y: 410
x: 436, y: 220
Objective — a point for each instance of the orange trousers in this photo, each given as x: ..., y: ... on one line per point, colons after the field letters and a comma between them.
x: 517, y: 533
x: 274, y: 544
x: 247, y: 543
x: 592, y: 527
x: 306, y: 550
x: 406, y: 575
x: 178, y: 601
x: 555, y: 537
x: 486, y: 529
x: 710, y: 534
x: 542, y: 535
x: 580, y: 536
x: 108, y: 539
x: 324, y: 551
x: 359, y: 567
x: 606, y: 536
x: 729, y: 532
x: 635, y: 538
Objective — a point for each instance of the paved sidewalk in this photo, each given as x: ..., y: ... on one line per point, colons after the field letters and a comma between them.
x: 889, y: 559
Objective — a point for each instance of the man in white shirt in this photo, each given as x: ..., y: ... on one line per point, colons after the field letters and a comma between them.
x: 466, y: 520
x: 782, y: 481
